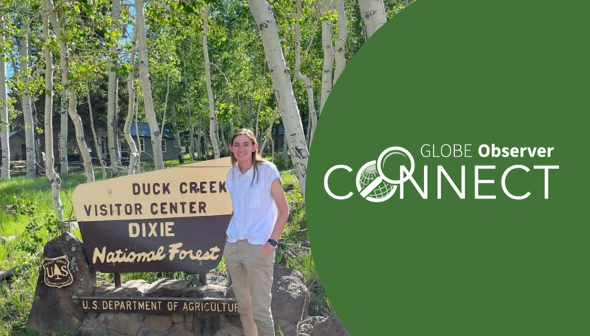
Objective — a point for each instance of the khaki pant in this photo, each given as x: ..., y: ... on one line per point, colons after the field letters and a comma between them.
x: 251, y: 275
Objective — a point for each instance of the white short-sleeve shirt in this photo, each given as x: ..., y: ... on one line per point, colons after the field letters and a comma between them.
x: 255, y: 211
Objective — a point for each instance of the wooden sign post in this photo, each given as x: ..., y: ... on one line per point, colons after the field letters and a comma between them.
x: 166, y: 220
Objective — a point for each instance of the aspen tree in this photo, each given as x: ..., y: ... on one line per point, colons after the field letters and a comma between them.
x: 50, y: 172
x: 113, y: 95
x: 134, y: 155
x: 71, y: 100
x: 328, y: 48
x: 373, y: 16
x: 281, y: 81
x: 4, y: 122
x: 340, y: 50
x: 313, y: 119
x: 26, y: 102
x: 212, y: 119
x: 155, y: 132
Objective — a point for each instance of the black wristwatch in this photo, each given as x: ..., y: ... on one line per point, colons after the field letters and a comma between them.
x: 273, y: 242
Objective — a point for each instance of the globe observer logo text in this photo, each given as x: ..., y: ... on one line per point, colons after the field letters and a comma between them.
x: 375, y: 186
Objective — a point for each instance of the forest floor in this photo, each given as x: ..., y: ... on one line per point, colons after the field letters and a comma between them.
x: 27, y: 223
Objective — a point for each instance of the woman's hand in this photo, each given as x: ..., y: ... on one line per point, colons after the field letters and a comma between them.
x: 267, y: 250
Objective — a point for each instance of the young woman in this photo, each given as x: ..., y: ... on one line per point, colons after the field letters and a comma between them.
x: 257, y: 194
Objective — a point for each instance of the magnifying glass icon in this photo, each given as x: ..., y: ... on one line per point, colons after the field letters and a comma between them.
x: 381, y: 163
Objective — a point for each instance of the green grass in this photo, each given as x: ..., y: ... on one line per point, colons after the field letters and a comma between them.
x: 319, y: 302
x: 16, y: 296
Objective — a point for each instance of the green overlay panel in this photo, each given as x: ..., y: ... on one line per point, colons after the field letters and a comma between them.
x: 452, y: 78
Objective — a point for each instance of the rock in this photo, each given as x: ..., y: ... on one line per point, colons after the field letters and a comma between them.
x: 182, y: 329
x: 290, y: 304
x: 70, y: 226
x: 209, y: 291
x: 129, y: 288
x: 330, y: 327
x: 217, y: 278
x: 167, y: 288
x: 206, y: 325
x: 157, y: 322
x: 10, y: 209
x: 53, y: 309
x: 230, y: 293
x: 290, y: 300
x: 305, y: 327
x: 280, y: 271
x: 102, y: 290
x: 177, y: 318
x: 7, y: 274
x: 86, y: 331
x: 124, y: 324
x: 150, y: 332
x: 215, y: 325
x: 7, y: 239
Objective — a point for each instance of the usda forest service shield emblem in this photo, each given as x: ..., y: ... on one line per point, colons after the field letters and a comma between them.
x: 57, y: 272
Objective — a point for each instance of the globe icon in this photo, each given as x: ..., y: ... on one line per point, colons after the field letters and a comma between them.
x: 367, y: 176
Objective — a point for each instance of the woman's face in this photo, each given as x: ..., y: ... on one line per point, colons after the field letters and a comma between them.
x: 242, y: 147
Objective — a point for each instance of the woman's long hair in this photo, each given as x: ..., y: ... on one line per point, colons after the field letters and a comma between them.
x: 256, y: 158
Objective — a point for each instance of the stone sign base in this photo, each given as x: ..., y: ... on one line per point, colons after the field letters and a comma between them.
x: 143, y: 324
x: 289, y: 306
x: 58, y: 310
x: 53, y: 310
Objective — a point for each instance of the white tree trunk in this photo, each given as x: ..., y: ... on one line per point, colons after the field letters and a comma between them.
x: 26, y: 104
x: 313, y: 118
x: 268, y: 136
x: 50, y: 172
x: 192, y: 141
x: 250, y: 111
x: 96, y: 146
x: 222, y: 137
x: 137, y: 139
x: 177, y: 142
x: 281, y: 80
x: 63, y: 128
x: 113, y: 95
x: 156, y: 134
x: 191, y: 144
x: 340, y: 51
x: 256, y: 133
x: 328, y: 48
x: 285, y: 153
x: 80, y: 139
x: 272, y: 150
x: 206, y: 143
x: 198, y: 145
x: 373, y: 16
x: 63, y: 100
x: 199, y: 149
x: 133, y: 152
x: 4, y: 126
x: 212, y: 119
x: 71, y: 108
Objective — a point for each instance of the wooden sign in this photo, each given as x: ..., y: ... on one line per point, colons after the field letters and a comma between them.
x: 166, y: 220
x: 158, y: 305
x: 56, y: 272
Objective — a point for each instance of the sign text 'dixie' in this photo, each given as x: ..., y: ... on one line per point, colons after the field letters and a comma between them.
x: 167, y: 220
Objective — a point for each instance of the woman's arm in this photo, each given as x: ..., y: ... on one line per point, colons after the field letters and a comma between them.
x: 278, y: 195
x: 232, y: 216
